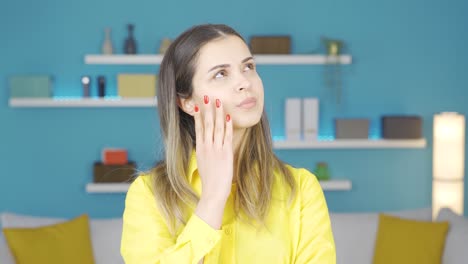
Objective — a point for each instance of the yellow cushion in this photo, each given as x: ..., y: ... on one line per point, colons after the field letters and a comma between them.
x: 68, y: 242
x: 402, y: 241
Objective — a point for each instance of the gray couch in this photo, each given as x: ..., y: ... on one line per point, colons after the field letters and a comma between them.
x: 354, y: 233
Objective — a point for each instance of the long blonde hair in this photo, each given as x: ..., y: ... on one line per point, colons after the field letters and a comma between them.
x: 174, y: 194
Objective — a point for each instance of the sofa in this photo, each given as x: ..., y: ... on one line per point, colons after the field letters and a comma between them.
x: 355, y: 235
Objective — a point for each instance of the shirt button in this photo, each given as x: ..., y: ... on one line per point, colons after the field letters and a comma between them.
x: 228, y: 231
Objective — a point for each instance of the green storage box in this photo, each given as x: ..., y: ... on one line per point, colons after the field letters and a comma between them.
x: 30, y: 86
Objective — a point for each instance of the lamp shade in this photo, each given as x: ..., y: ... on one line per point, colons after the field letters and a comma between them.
x: 449, y: 146
x: 448, y: 162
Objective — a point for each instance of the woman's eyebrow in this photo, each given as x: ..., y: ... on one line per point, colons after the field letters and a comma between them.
x: 246, y: 59
x: 227, y: 65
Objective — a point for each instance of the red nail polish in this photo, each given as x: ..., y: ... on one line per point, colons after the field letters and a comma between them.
x: 228, y: 117
x: 218, y: 103
x: 196, y: 109
x: 206, y: 99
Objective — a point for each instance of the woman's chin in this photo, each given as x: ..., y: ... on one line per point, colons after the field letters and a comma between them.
x: 245, y: 122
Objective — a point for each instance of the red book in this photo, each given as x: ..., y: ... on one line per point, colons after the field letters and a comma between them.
x: 113, y: 156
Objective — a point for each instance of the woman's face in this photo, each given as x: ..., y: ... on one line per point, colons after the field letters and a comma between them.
x: 225, y: 70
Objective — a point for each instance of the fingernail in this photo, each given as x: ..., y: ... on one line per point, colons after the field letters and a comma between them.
x: 228, y: 117
x: 206, y: 99
x: 218, y: 103
x: 196, y: 108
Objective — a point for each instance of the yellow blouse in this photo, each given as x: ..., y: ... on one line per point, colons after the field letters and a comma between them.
x: 299, y: 232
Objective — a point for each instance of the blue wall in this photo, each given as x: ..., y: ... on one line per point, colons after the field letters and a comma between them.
x: 409, y: 57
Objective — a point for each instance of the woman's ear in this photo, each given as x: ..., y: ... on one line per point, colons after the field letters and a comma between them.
x: 186, y: 104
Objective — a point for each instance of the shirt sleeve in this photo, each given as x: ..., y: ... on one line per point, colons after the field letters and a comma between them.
x: 146, y: 238
x: 316, y: 243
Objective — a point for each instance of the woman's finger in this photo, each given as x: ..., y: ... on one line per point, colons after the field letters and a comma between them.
x: 198, y: 126
x: 219, y: 124
x: 208, y: 120
x: 228, y: 133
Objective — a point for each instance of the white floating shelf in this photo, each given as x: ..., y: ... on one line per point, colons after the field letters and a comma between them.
x: 260, y: 59
x: 147, y: 59
x: 336, y: 185
x: 86, y: 102
x: 351, y: 144
x: 330, y: 185
x: 302, y: 59
x: 107, y: 187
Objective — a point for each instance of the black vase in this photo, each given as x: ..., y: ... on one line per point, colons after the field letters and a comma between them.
x: 130, y: 42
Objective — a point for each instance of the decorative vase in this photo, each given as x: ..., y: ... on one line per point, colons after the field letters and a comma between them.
x: 130, y: 46
x: 165, y: 43
x: 107, y: 47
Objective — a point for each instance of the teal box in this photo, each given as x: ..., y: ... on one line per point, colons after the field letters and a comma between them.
x: 30, y: 86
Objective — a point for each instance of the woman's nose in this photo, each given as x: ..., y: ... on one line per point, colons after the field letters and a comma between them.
x: 243, y: 83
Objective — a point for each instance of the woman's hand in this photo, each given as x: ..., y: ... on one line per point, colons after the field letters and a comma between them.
x: 214, y: 154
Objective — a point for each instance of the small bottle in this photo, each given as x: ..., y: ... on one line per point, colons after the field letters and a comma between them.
x: 107, y: 47
x: 101, y: 86
x: 130, y: 42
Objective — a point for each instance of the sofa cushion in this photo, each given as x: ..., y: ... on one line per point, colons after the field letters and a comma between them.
x: 65, y: 242
x: 106, y: 235
x: 355, y: 233
x: 456, y: 245
x: 404, y: 241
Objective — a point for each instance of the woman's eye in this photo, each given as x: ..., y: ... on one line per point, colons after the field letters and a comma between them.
x: 220, y: 74
x: 250, y: 66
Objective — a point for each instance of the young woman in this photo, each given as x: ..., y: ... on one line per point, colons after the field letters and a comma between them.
x: 221, y: 195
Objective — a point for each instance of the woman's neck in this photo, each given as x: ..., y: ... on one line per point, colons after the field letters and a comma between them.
x: 237, y: 136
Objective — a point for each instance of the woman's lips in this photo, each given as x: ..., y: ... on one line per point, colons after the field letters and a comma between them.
x: 248, y: 103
